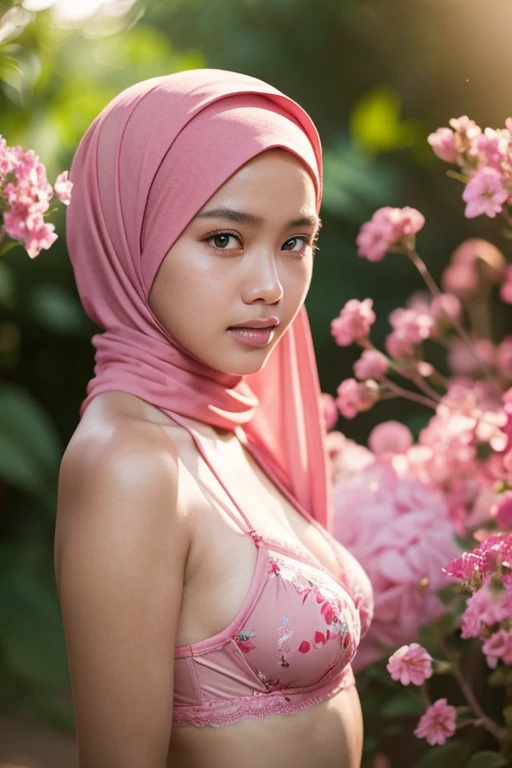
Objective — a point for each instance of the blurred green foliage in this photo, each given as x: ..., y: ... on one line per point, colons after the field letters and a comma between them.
x: 344, y: 62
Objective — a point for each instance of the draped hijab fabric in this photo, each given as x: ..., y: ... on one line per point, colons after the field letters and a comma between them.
x: 144, y: 168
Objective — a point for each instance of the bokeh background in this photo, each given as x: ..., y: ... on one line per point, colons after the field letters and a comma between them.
x: 377, y: 76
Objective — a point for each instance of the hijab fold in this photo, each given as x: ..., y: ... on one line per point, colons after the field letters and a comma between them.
x: 146, y: 165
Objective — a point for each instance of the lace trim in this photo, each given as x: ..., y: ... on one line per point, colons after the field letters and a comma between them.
x: 259, y: 705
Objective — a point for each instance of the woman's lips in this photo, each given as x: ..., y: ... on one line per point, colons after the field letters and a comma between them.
x: 254, y: 337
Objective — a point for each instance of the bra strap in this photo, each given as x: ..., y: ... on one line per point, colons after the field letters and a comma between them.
x: 253, y: 532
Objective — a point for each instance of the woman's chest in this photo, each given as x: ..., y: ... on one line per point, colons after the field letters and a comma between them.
x: 222, y: 563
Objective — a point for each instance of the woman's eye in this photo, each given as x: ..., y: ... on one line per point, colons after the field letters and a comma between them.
x: 302, y: 241
x: 221, y: 239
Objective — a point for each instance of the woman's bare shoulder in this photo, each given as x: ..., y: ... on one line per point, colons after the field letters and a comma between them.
x: 117, y: 461
x: 114, y: 423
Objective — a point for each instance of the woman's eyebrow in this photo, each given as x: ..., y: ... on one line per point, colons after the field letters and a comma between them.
x: 252, y: 220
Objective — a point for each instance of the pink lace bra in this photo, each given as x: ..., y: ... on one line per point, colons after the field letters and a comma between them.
x: 290, y: 644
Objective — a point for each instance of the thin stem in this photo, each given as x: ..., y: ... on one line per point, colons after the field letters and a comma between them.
x: 401, y: 392
x: 425, y: 386
x: 432, y: 286
x: 497, y: 730
x: 415, y: 377
x: 486, y: 722
x: 438, y: 378
x: 457, y: 176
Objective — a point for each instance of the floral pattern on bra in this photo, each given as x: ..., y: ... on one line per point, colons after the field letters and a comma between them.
x: 243, y: 640
x: 333, y: 627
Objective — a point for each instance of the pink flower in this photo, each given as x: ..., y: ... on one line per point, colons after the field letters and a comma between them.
x: 354, y: 396
x: 502, y: 510
x: 445, y: 308
x: 498, y: 646
x: 467, y: 131
x: 484, y: 560
x: 390, y: 437
x: 63, y: 187
x: 397, y: 347
x: 443, y: 144
x: 438, y: 723
x: 461, y: 279
x: 464, y: 362
x: 410, y: 664
x: 485, y: 607
x: 371, y: 365
x: 506, y: 287
x: 477, y: 252
x: 492, y: 147
x: 409, y: 329
x: 389, y: 228
x: 26, y: 198
x: 412, y: 326
x: 354, y: 322
x: 485, y: 194
x: 402, y: 536
x: 345, y: 457
x: 328, y: 410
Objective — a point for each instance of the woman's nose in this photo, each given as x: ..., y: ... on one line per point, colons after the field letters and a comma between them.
x: 262, y: 282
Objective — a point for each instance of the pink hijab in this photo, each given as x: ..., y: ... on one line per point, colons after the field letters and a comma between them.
x: 146, y: 165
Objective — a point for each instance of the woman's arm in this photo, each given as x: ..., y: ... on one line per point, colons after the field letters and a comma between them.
x: 120, y: 550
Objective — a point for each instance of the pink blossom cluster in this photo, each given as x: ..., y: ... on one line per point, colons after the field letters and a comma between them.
x: 25, y: 196
x: 447, y: 453
x: 491, y: 558
x: 410, y: 328
x: 356, y: 396
x: 354, y: 322
x: 412, y: 496
x: 399, y: 529
x: 485, y: 159
x: 389, y: 229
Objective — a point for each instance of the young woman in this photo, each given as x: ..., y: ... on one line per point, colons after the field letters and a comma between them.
x: 210, y: 618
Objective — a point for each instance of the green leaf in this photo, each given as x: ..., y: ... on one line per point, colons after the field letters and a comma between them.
x: 30, y: 449
x: 487, y: 759
x: 375, y: 122
x: 32, y: 640
x: 403, y: 704
x: 54, y: 308
x: 450, y: 755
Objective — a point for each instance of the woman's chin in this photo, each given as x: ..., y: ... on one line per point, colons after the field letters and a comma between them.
x: 244, y: 365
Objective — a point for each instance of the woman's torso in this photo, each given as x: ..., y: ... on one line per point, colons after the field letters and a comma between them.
x: 219, y: 573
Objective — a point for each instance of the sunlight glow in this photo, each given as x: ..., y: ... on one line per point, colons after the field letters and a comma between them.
x: 75, y: 11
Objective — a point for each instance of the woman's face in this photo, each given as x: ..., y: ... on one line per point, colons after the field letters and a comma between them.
x: 246, y: 257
